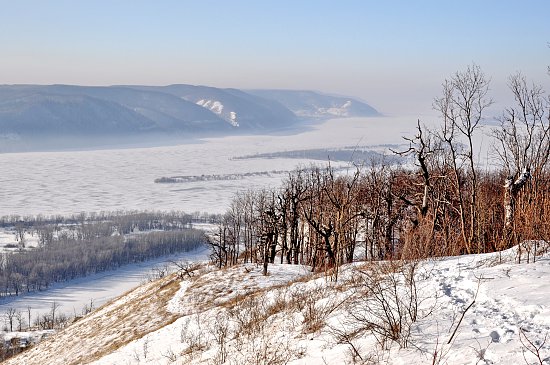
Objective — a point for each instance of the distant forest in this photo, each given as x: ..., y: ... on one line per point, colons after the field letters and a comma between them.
x: 71, y: 247
x: 348, y: 154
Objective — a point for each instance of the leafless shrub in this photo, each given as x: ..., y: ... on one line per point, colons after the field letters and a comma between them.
x: 479, y: 279
x: 221, y: 333
x: 88, y: 308
x: 533, y: 347
x: 158, y: 272
x: 438, y: 356
x: 170, y: 355
x: 266, y: 348
x: 316, y: 311
x: 314, y: 317
x: 248, y: 316
x: 529, y: 250
x: 195, y: 338
x: 481, y: 352
x: 250, y: 313
x: 136, y: 356
x: 61, y: 320
x: 386, y: 304
x: 185, y: 269
x: 146, y: 347
x: 346, y: 337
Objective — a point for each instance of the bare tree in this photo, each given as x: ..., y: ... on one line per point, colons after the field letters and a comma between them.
x: 218, y: 245
x: 420, y: 147
x: 20, y: 320
x: 462, y: 107
x: 54, y: 308
x: 524, y: 134
x: 29, y: 317
x: 20, y: 231
x: 523, y: 144
x: 291, y: 199
x: 10, y: 316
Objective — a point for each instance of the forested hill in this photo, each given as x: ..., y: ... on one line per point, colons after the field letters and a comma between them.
x: 310, y: 104
x: 42, y: 112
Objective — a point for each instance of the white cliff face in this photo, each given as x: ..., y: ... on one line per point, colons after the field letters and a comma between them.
x: 212, y: 105
x: 217, y: 107
x: 341, y: 111
x: 233, y: 118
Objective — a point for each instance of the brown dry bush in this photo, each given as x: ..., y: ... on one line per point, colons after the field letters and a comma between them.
x: 319, y: 304
x: 385, y: 304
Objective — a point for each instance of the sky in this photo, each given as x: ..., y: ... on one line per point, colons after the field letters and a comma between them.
x: 392, y: 54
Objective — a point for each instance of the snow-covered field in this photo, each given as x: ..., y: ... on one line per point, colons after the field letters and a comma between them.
x: 236, y: 316
x: 123, y: 179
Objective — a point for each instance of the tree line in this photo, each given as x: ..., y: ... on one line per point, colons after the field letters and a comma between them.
x: 447, y: 204
x: 77, y: 250
x: 126, y: 220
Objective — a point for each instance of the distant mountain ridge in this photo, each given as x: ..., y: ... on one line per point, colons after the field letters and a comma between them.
x: 41, y: 111
x: 311, y: 104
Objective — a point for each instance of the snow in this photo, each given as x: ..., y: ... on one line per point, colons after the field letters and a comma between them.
x: 8, y: 238
x: 342, y: 111
x: 98, y: 289
x: 299, y: 315
x: 217, y: 107
x: 123, y: 179
x: 511, y: 300
x: 213, y: 105
x: 233, y: 119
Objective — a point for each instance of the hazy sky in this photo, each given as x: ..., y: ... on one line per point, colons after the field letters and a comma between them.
x: 393, y: 54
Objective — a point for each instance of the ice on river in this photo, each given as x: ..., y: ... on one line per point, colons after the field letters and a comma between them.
x: 123, y: 179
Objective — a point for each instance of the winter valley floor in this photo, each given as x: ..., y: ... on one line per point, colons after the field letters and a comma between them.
x: 475, y: 309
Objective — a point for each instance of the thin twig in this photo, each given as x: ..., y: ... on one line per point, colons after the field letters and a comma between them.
x: 465, y: 310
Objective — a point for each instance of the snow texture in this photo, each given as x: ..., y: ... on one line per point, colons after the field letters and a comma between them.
x: 510, y: 300
x: 217, y: 107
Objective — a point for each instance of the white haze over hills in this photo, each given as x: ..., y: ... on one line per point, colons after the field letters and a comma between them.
x: 310, y: 104
x: 46, y: 117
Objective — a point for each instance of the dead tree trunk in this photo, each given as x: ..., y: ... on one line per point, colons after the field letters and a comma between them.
x: 511, y: 191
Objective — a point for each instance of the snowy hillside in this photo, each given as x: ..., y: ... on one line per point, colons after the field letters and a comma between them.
x: 389, y: 313
x: 310, y: 104
x: 239, y: 109
x: 38, y: 114
x: 218, y: 108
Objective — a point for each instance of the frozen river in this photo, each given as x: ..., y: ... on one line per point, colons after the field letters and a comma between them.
x: 123, y: 179
x: 95, y: 290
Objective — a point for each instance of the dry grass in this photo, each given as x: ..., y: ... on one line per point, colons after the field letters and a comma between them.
x: 119, y: 322
x: 251, y: 306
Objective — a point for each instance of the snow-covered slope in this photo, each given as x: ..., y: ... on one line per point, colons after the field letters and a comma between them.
x: 239, y: 109
x: 311, y: 104
x: 498, y: 307
x: 217, y: 107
